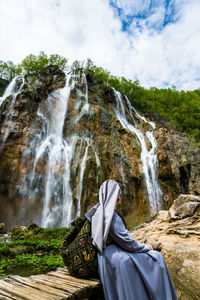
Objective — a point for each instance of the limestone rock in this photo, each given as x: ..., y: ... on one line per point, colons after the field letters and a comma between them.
x: 179, y: 164
x: 184, y: 206
x: 179, y: 241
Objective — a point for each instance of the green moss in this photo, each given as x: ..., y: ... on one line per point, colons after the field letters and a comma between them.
x: 23, y: 254
x: 28, y: 264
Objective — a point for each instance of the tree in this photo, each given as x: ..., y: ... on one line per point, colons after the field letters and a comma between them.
x: 33, y: 64
x: 8, y: 70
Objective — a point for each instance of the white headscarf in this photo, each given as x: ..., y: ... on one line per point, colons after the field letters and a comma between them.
x: 101, y: 214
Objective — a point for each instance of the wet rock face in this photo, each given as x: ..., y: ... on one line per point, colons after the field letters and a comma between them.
x: 179, y: 164
x: 3, y: 84
x: 176, y: 233
x: 117, y: 149
x: 20, y: 124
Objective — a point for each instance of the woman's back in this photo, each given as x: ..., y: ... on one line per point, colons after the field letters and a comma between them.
x: 128, y: 270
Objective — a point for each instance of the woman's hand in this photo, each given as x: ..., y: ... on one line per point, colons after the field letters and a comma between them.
x: 150, y: 247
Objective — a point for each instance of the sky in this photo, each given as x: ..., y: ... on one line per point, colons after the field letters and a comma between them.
x: 154, y: 41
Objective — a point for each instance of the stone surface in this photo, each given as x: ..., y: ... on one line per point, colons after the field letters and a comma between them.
x: 179, y: 164
x: 178, y: 239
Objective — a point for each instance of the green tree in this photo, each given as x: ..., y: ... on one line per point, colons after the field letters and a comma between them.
x: 33, y: 64
x: 8, y: 70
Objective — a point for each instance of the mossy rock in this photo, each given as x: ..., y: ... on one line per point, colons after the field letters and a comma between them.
x: 2, y: 228
x: 34, y: 228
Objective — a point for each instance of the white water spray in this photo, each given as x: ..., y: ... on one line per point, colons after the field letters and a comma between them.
x: 13, y: 90
x: 148, y: 157
x: 53, y: 153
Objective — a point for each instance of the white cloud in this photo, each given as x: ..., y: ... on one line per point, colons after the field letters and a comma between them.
x: 135, y: 7
x: 79, y: 29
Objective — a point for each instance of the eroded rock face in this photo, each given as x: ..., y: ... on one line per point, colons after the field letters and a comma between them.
x: 20, y: 124
x: 118, y: 151
x: 177, y: 234
x: 179, y: 164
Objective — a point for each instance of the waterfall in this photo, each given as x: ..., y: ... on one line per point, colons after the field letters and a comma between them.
x: 48, y: 180
x: 9, y: 90
x: 56, y: 161
x: 13, y: 89
x: 148, y: 157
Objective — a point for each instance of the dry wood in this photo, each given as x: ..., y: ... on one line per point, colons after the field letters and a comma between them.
x: 84, y: 282
x: 6, y: 296
x: 56, y: 285
x: 40, y: 287
x: 61, y: 282
x: 22, y: 292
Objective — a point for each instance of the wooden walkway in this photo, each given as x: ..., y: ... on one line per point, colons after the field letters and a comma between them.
x: 51, y: 286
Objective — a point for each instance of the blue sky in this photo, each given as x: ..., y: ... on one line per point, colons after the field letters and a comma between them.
x: 140, y: 13
x: 155, y: 41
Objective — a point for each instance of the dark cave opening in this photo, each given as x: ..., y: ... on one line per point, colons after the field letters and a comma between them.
x: 184, y: 173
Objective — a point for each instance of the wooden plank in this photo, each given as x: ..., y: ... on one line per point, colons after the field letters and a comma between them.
x: 81, y: 291
x: 83, y: 282
x: 68, y: 284
x: 6, y: 296
x: 56, y: 284
x: 23, y: 292
x: 73, y: 284
x: 41, y: 287
x: 65, y: 271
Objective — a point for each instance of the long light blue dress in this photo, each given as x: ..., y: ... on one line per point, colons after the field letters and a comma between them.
x: 130, y: 271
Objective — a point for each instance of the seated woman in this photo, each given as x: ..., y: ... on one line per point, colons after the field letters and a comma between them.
x: 128, y: 270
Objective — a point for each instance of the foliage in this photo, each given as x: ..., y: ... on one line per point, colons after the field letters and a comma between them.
x: 33, y: 251
x: 181, y: 108
x: 32, y: 64
x: 9, y: 70
x: 35, y: 264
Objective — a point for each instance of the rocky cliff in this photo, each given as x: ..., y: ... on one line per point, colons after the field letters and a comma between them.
x: 98, y: 145
x: 176, y: 233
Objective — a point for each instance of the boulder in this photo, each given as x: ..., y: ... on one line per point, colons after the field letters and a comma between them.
x: 17, y: 227
x: 176, y: 233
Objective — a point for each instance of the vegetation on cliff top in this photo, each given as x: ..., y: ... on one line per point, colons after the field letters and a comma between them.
x: 32, y: 64
x: 180, y: 108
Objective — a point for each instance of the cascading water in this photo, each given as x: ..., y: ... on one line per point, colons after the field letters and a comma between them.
x: 52, y: 152
x: 9, y: 90
x: 55, y: 163
x: 13, y: 89
x: 148, y: 157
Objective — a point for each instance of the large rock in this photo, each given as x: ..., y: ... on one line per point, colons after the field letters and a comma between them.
x: 177, y: 234
x: 179, y: 164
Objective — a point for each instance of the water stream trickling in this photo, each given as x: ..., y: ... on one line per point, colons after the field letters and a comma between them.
x: 48, y: 181
x: 13, y: 89
x: 148, y: 157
